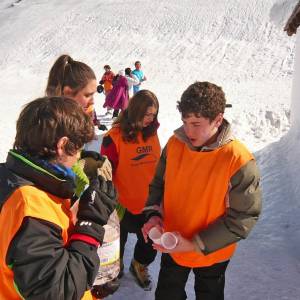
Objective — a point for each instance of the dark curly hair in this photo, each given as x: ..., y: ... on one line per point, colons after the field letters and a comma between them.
x: 131, y: 118
x: 203, y: 99
x: 44, y: 121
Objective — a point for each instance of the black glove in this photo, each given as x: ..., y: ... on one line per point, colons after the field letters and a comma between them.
x: 93, y: 154
x: 106, y: 289
x: 96, y: 204
x: 100, y: 88
x: 93, y: 162
x: 101, y: 82
x: 102, y: 127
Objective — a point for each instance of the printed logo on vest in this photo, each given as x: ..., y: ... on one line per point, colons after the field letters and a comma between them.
x: 144, y: 151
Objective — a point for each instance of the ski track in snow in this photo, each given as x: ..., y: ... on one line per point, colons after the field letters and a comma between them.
x: 232, y: 43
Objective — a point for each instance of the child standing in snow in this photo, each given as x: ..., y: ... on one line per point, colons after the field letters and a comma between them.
x: 78, y: 81
x: 132, y: 146
x: 131, y: 80
x: 118, y: 96
x: 42, y: 254
x: 107, y: 82
x: 206, y: 191
x: 139, y: 74
x: 107, y: 79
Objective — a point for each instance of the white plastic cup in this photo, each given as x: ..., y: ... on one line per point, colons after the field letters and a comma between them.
x: 155, y: 235
x: 169, y: 240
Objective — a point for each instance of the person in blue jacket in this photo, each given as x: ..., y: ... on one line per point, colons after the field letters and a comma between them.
x: 139, y: 74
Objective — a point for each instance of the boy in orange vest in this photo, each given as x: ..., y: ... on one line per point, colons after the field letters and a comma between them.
x: 206, y: 191
x: 42, y: 254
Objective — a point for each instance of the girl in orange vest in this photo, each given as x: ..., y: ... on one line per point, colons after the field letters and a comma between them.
x: 42, y: 254
x: 132, y: 146
x: 207, y: 185
x: 77, y: 80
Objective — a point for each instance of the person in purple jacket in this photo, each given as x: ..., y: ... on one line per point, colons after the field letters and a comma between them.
x: 118, y: 97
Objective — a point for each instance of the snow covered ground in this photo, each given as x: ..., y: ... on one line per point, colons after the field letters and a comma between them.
x: 237, y: 44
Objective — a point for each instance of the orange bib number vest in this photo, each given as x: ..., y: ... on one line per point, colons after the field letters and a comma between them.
x: 195, y: 187
x: 28, y: 201
x: 136, y: 168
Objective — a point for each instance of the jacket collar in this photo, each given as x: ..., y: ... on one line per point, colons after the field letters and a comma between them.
x: 40, y: 174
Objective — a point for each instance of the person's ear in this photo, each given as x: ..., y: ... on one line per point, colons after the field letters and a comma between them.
x: 219, y: 119
x: 60, y: 147
x: 67, y: 91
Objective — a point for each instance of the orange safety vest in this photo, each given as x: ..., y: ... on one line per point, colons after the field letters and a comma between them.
x: 108, y: 78
x: 29, y: 201
x: 107, y: 86
x: 196, y: 184
x: 135, y: 170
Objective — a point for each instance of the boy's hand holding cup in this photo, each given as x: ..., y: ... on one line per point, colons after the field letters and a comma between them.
x: 154, y: 221
x: 169, y: 242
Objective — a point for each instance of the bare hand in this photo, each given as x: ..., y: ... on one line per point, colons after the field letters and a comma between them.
x: 183, y: 245
x: 154, y: 221
x: 105, y: 170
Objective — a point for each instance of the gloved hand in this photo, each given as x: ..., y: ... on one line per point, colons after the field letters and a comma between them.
x: 106, y: 289
x: 100, y: 88
x: 95, y: 164
x: 102, y: 127
x: 101, y: 82
x: 96, y: 204
x: 95, y: 155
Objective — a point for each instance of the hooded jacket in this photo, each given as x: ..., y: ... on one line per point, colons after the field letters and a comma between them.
x: 210, y: 195
x: 36, y: 259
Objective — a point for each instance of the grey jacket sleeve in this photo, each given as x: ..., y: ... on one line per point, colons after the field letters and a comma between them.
x: 241, y: 215
x: 156, y: 189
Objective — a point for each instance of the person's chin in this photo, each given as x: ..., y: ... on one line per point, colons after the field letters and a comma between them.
x: 89, y: 109
x: 195, y: 143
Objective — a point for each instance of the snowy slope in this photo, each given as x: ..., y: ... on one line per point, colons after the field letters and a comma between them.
x: 237, y: 44
x: 232, y: 43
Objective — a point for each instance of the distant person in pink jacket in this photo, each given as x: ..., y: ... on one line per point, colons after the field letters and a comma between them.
x: 118, y: 96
